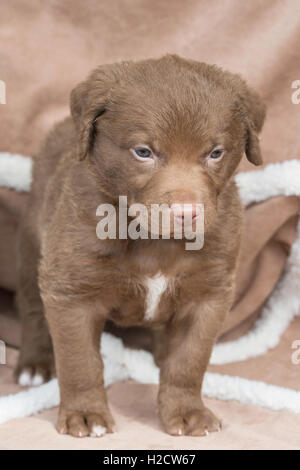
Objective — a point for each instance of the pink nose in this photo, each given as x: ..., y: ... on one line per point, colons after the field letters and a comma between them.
x: 185, y: 211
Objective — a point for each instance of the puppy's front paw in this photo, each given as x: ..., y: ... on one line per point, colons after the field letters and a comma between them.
x: 189, y: 420
x: 83, y: 424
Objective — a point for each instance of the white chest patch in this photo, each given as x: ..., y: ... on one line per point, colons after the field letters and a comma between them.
x: 156, y: 286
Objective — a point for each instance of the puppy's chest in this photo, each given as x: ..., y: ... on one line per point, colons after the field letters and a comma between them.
x: 148, y: 300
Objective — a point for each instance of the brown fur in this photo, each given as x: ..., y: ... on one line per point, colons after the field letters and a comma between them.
x: 181, y: 108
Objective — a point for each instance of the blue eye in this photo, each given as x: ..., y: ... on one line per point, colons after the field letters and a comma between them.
x: 215, y: 154
x: 143, y: 152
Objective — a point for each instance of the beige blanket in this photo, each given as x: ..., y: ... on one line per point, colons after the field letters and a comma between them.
x: 46, y: 48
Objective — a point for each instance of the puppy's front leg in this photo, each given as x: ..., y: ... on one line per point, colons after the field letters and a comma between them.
x: 191, y: 336
x: 75, y: 332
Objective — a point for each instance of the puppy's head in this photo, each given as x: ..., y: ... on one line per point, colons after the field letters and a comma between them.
x: 166, y: 130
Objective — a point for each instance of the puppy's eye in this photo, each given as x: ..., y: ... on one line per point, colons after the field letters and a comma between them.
x: 216, y: 154
x: 142, y: 153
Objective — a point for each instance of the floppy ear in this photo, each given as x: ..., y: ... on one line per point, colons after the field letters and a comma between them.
x: 252, y: 147
x: 253, y: 112
x: 88, y: 102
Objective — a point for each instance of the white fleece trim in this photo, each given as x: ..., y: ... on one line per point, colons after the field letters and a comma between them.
x: 15, y: 171
x: 122, y: 363
x: 29, y: 401
x: 276, y: 179
x: 281, y: 308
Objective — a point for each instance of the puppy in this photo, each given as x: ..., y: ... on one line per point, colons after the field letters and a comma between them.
x: 162, y: 131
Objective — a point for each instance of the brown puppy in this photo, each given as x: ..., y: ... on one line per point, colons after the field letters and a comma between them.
x: 157, y: 131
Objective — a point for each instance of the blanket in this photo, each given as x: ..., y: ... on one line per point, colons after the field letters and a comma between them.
x: 48, y: 47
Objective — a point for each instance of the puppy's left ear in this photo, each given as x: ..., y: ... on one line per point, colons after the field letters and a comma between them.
x: 253, y: 112
x: 88, y: 102
x: 83, y: 116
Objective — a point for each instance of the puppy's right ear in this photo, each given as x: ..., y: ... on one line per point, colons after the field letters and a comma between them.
x: 88, y: 102
x: 253, y: 112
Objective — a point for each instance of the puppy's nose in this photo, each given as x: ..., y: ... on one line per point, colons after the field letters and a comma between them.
x: 184, y: 211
